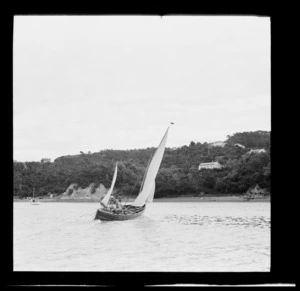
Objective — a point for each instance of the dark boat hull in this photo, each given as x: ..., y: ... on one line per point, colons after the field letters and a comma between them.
x: 109, y: 216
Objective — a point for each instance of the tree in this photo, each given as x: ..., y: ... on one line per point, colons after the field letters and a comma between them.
x: 255, y: 139
x: 178, y: 173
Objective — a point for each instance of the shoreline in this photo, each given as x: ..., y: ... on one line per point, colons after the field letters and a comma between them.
x: 169, y: 199
x: 212, y: 199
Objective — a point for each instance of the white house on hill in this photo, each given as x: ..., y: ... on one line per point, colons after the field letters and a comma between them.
x: 258, y: 151
x: 239, y: 145
x: 46, y: 160
x: 210, y: 165
x: 218, y: 144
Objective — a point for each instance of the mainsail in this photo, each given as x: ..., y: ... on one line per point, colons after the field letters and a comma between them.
x: 149, y: 182
x: 107, y: 196
x: 151, y: 195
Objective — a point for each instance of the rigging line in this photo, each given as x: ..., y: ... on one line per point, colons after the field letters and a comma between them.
x: 132, y: 190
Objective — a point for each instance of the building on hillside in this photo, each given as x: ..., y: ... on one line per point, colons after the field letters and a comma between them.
x: 257, y: 151
x: 239, y: 145
x: 217, y: 144
x: 46, y: 160
x: 210, y: 165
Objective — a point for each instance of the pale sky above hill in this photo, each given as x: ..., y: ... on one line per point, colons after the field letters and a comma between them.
x: 88, y: 83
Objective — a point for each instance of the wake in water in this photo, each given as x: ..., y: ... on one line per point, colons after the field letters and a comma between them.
x: 260, y: 221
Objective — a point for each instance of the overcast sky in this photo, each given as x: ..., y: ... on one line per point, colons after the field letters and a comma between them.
x: 88, y: 83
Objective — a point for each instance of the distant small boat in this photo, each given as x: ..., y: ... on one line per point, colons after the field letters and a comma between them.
x: 32, y: 200
x: 146, y: 194
x: 254, y: 193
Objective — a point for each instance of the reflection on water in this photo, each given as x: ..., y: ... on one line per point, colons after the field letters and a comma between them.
x: 169, y: 237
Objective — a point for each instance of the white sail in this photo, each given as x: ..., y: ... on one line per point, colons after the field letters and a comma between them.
x: 151, y: 195
x: 107, y: 196
x: 151, y: 173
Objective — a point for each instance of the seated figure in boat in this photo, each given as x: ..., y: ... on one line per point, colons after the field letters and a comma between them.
x: 119, y: 202
x: 112, y: 207
x: 111, y: 204
x: 117, y: 205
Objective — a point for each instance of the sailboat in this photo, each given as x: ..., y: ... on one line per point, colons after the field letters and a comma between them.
x: 32, y: 200
x: 146, y: 193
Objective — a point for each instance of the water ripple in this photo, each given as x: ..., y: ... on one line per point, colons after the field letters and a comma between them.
x: 261, y: 221
x: 168, y: 237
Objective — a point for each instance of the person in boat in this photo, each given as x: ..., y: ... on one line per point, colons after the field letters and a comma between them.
x: 112, y: 200
x: 111, y: 207
x: 119, y: 203
x: 115, y: 205
x: 112, y: 204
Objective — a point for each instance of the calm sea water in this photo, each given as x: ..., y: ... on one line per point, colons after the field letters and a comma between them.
x: 171, y: 236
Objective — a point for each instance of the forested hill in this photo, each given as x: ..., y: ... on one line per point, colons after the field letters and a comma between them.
x: 178, y: 174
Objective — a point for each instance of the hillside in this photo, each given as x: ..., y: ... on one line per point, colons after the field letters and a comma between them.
x: 178, y: 174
